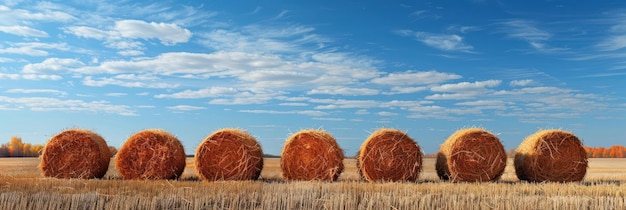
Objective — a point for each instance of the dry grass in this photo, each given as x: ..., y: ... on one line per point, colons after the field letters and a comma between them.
x: 471, y: 155
x: 75, y: 153
x: 229, y: 154
x: 151, y: 154
x: 551, y: 155
x: 311, y: 155
x: 389, y: 155
x: 23, y: 187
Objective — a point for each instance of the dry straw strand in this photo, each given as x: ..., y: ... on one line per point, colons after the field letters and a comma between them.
x: 311, y: 155
x: 551, y: 155
x: 471, y: 155
x: 389, y: 155
x: 229, y: 154
x: 75, y: 153
x: 151, y: 154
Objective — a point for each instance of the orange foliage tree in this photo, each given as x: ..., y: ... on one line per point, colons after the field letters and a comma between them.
x: 17, y: 148
x: 615, y: 151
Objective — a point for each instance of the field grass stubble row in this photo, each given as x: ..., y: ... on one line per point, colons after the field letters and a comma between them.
x: 23, y: 187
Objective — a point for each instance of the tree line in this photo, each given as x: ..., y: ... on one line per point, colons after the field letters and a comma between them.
x: 17, y: 148
x: 614, y: 151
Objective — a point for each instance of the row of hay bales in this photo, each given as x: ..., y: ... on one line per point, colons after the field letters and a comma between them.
x: 468, y: 155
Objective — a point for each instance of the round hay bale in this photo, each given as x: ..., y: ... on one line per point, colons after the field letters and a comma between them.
x: 151, y: 154
x: 229, y: 154
x: 311, y: 155
x: 551, y: 155
x: 471, y: 155
x: 75, y: 153
x: 389, y: 155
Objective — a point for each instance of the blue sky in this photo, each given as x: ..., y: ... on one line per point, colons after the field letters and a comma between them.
x: 276, y: 67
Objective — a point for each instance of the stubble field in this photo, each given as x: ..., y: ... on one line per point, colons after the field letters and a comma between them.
x: 23, y: 187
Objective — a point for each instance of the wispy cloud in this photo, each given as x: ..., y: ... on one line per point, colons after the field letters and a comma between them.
x: 12, y: 76
x: 106, y: 81
x: 341, y: 90
x: 185, y: 108
x: 167, y: 33
x: 33, y: 48
x: 616, y: 38
x: 518, y: 83
x: 529, y: 32
x: 281, y: 14
x: 23, y: 31
x: 415, y: 78
x: 202, y: 93
x: 11, y: 16
x: 71, y: 105
x: 30, y: 91
x: 122, y: 34
x: 116, y: 94
x: 300, y: 112
x: 445, y: 42
x: 466, y: 86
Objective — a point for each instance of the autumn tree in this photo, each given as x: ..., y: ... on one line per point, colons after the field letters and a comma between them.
x: 17, y: 148
x: 615, y: 151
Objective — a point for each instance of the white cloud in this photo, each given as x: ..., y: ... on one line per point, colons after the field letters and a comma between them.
x: 485, y: 104
x: 261, y: 39
x: 105, y: 81
x: 202, y: 93
x: 534, y: 90
x: 123, y: 33
x: 437, y: 112
x: 518, y: 83
x: 30, y: 91
x: 345, y: 104
x: 404, y: 90
x: 53, y: 65
x: 116, y: 94
x: 89, y: 32
x: 466, y: 86
x: 23, y: 31
x: 10, y: 16
x: 452, y: 96
x: 53, y: 104
x: 33, y: 48
x: 445, y: 42
x: 293, y: 104
x: 362, y: 112
x: 612, y: 43
x: 167, y: 33
x: 363, y: 104
x: 341, y: 90
x: 6, y: 60
x: 30, y: 76
x: 305, y: 112
x: 525, y: 30
x: 329, y: 118
x: 10, y: 76
x: 387, y: 114
x: 248, y: 69
x: 185, y: 108
x: 130, y: 52
x: 528, y: 31
x: 415, y: 78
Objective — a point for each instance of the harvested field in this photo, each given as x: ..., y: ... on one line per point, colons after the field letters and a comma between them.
x: 23, y: 187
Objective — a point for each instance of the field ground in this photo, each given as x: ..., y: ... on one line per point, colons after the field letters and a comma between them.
x: 23, y: 187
